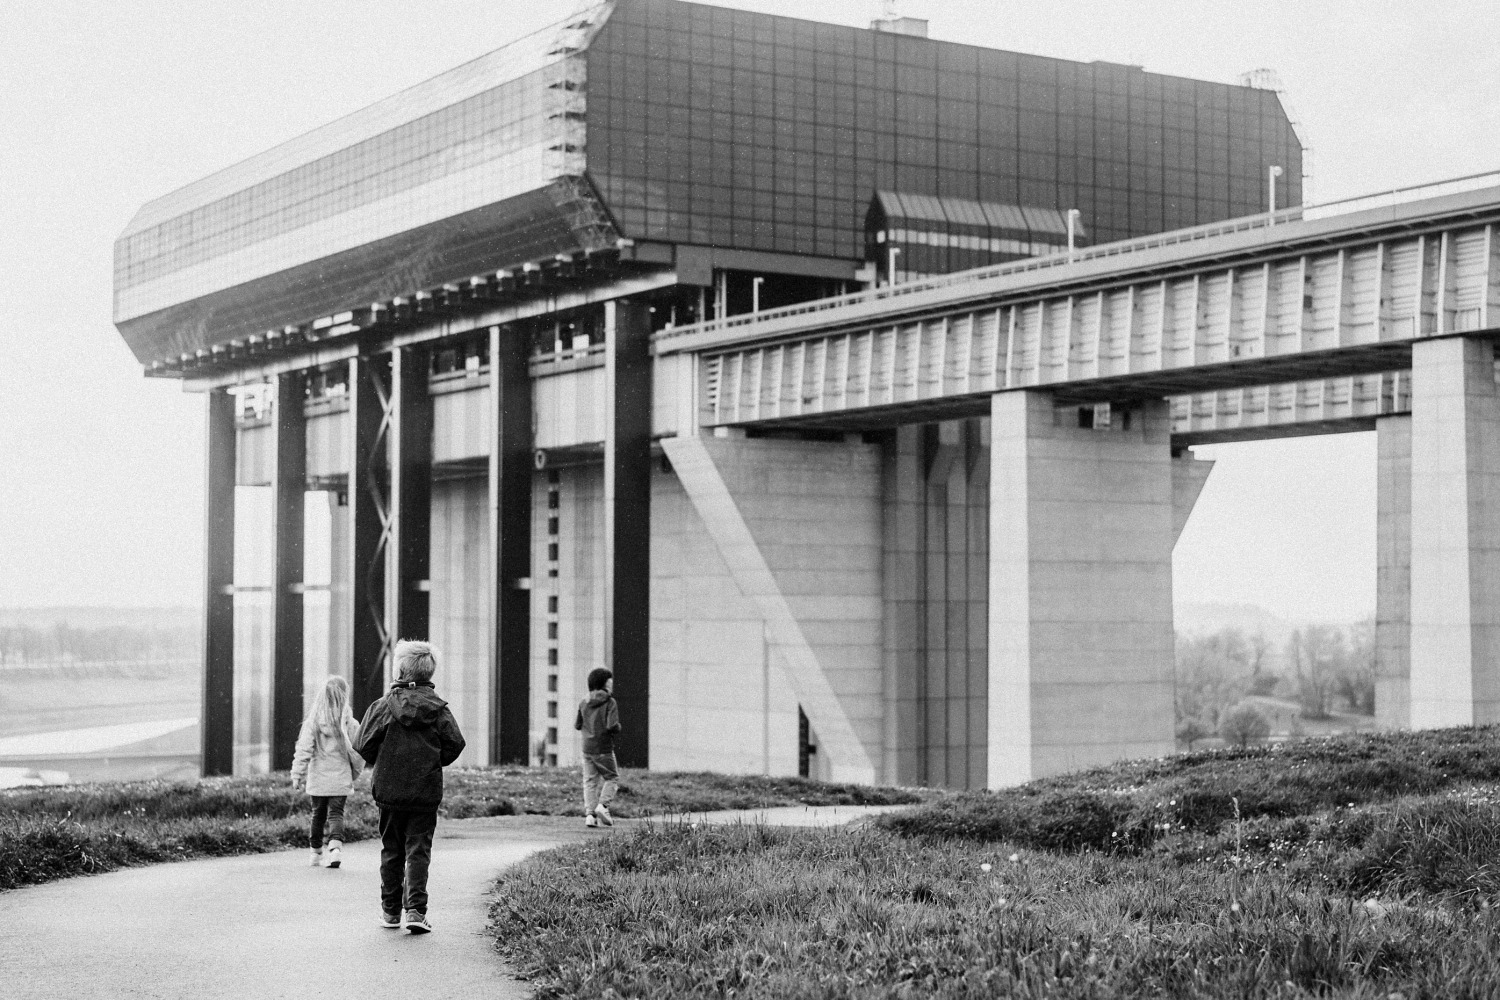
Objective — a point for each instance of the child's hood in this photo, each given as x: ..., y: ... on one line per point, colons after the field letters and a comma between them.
x: 415, y: 706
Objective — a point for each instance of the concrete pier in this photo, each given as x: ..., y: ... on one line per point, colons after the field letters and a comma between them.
x: 1080, y: 638
x: 1455, y: 534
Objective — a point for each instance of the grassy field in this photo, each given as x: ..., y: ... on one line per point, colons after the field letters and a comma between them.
x: 50, y: 833
x: 1363, y: 866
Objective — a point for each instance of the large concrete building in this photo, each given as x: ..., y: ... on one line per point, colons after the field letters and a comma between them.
x: 425, y: 333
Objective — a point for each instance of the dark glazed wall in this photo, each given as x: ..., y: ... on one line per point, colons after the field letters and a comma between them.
x: 717, y: 126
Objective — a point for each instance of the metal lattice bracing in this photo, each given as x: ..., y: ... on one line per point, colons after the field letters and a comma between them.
x: 370, y: 513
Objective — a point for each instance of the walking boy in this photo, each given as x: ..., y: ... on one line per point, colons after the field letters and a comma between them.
x: 599, y: 719
x: 409, y: 736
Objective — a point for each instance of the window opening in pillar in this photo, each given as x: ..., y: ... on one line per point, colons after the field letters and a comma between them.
x: 548, y: 754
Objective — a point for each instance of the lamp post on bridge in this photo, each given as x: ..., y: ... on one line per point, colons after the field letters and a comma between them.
x: 890, y: 267
x: 1272, y: 173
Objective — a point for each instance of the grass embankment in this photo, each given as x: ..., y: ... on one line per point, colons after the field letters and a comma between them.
x: 1358, y: 867
x: 51, y: 833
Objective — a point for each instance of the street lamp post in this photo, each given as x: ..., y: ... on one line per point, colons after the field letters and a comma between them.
x: 755, y: 284
x: 1272, y: 173
x: 890, y: 267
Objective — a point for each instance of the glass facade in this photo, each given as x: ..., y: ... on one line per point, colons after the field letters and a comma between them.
x: 717, y: 126
x: 487, y: 131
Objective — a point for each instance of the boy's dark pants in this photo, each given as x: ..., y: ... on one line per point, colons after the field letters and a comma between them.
x: 405, y: 848
x: 329, y: 808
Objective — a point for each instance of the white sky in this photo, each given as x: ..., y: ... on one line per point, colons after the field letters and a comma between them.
x: 105, y: 106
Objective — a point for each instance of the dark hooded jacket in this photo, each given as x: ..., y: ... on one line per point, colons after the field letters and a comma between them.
x: 599, y: 720
x: 409, y: 736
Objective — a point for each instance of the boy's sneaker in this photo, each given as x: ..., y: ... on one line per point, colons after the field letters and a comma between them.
x: 416, y: 923
x: 602, y: 811
x: 333, y: 857
x: 317, y: 857
x: 391, y: 920
x: 590, y: 821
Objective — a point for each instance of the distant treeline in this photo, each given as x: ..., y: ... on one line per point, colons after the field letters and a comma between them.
x: 61, y: 644
x: 1322, y: 668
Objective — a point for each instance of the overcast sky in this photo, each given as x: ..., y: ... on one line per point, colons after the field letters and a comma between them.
x: 105, y: 106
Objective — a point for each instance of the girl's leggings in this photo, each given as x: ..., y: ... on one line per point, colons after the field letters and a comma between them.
x: 329, y: 808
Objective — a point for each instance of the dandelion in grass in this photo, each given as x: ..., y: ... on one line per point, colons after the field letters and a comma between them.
x: 1015, y: 859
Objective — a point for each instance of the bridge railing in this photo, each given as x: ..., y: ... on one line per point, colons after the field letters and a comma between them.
x: 1402, y: 195
x: 1471, y: 182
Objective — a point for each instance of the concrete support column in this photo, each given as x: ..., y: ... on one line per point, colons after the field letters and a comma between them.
x: 288, y: 489
x: 1393, y: 572
x: 1455, y: 534
x: 510, y: 475
x: 627, y: 519
x: 218, y: 586
x: 1080, y: 596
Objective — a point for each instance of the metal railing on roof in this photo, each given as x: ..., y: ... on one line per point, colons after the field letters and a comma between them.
x: 1343, y: 206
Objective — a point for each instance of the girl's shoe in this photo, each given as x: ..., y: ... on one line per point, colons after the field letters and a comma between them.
x: 416, y: 923
x: 317, y: 857
x: 391, y: 920
x: 590, y: 821
x: 602, y: 811
x: 333, y: 857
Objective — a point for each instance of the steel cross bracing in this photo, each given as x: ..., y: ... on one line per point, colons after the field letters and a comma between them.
x: 1332, y: 305
x: 377, y: 489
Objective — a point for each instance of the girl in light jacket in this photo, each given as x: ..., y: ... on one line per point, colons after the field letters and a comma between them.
x: 326, y: 764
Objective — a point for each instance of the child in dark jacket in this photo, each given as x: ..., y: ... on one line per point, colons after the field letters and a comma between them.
x: 409, y: 736
x: 599, y: 720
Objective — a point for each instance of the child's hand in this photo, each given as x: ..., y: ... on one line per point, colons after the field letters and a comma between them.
x: 296, y: 783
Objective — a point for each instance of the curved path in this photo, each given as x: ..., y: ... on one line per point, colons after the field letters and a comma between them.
x: 271, y: 926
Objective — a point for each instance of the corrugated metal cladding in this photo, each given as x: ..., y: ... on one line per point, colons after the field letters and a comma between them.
x: 942, y: 235
x: 726, y: 127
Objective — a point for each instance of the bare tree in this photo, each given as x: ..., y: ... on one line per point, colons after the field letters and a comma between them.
x: 1190, y: 731
x: 1318, y: 654
x: 1356, y: 679
x: 1243, y: 724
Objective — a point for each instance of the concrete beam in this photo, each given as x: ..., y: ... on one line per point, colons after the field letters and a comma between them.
x: 510, y: 475
x: 218, y: 585
x: 627, y: 518
x: 288, y: 496
x: 1393, y: 572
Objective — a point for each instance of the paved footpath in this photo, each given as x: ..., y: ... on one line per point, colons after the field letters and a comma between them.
x: 271, y: 926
